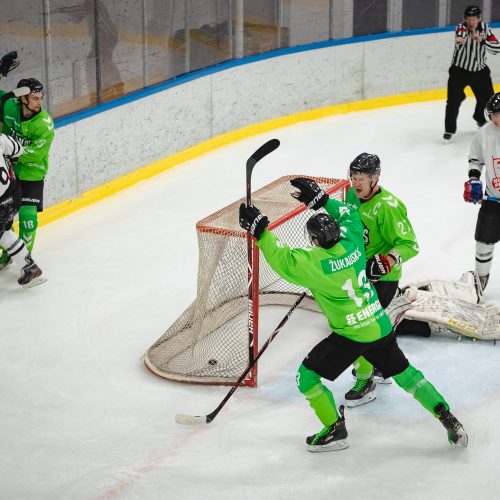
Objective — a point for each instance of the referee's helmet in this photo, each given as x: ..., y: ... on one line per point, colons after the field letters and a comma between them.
x: 472, y: 10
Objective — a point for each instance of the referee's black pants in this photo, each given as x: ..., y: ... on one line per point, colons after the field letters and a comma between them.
x: 482, y: 87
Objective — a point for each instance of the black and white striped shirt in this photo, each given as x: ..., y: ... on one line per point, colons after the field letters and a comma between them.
x: 471, y: 55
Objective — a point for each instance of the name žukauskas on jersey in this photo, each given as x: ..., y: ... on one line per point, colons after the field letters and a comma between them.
x: 332, y: 265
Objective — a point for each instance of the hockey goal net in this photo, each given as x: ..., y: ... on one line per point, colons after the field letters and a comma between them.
x: 209, y: 343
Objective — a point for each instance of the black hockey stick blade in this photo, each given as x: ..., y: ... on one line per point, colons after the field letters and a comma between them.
x: 184, y: 419
x: 263, y: 151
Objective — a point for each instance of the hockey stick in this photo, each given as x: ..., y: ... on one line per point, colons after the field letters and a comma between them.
x: 263, y: 151
x: 491, y: 198
x: 183, y: 419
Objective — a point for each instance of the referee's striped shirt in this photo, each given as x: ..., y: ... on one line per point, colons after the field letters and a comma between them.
x: 471, y: 55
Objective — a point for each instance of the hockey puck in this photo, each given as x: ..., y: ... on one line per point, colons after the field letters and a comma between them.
x: 212, y: 362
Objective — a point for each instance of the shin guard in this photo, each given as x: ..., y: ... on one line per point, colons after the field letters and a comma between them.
x: 320, y: 397
x: 28, y: 222
x: 414, y: 382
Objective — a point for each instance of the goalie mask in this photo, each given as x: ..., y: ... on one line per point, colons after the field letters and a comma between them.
x: 323, y: 228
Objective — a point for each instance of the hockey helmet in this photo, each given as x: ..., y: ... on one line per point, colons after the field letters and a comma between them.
x: 472, y: 10
x: 365, y: 163
x: 493, y: 104
x: 32, y: 83
x: 323, y: 228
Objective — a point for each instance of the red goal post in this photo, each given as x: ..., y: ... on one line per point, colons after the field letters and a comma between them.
x: 209, y: 342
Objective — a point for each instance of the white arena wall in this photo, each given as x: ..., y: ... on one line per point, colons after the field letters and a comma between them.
x: 92, y: 151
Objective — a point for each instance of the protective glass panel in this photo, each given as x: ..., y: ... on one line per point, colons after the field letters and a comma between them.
x: 420, y: 14
x: 73, y: 72
x: 305, y: 22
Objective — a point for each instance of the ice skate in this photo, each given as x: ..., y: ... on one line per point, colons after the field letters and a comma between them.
x: 379, y: 378
x: 331, y: 438
x: 31, y: 274
x: 480, y: 283
x: 447, y: 137
x: 363, y: 392
x: 456, y: 432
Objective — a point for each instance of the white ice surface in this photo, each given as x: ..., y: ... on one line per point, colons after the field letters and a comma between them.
x: 82, y: 418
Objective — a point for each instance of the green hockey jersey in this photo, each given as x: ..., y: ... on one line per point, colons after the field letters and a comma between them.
x: 336, y: 277
x: 386, y: 228
x: 35, y: 134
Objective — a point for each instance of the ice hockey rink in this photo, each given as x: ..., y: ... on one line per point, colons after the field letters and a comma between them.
x: 82, y: 418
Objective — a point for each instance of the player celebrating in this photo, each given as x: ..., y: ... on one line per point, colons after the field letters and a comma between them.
x: 389, y: 241
x: 26, y: 120
x: 10, y: 199
x: 334, y: 270
x: 485, y: 152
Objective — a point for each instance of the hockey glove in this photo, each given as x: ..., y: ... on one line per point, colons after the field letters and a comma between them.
x: 8, y: 63
x: 252, y: 220
x: 377, y: 266
x: 310, y: 193
x: 473, y: 190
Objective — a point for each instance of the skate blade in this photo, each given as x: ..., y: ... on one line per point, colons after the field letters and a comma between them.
x: 358, y: 402
x: 381, y: 380
x: 35, y: 282
x: 462, y: 441
x: 341, y: 444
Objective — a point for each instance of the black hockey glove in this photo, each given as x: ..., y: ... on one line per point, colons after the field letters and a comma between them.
x: 377, y: 266
x: 8, y: 63
x: 252, y: 220
x: 310, y: 193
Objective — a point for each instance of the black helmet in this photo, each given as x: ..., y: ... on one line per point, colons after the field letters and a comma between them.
x: 324, y: 228
x: 472, y: 10
x: 493, y: 104
x: 33, y: 84
x: 365, y: 163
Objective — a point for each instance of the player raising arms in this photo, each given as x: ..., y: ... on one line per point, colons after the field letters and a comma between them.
x: 389, y: 241
x: 485, y: 153
x: 334, y: 270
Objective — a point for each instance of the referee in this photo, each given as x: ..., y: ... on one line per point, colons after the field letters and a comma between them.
x: 468, y: 67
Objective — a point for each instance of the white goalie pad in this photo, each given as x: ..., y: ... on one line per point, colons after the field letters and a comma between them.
x: 448, y: 305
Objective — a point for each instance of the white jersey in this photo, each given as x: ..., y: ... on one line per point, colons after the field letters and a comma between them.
x: 9, y: 148
x: 485, y: 152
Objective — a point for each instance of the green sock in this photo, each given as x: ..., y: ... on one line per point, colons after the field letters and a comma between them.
x: 28, y: 222
x: 320, y: 397
x: 363, y: 368
x: 4, y: 256
x: 414, y: 382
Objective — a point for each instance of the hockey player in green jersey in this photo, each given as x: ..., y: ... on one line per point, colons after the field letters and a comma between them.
x: 389, y: 241
x: 24, y: 119
x: 334, y: 270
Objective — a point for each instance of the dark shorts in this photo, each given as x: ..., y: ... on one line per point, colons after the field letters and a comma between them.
x: 488, y: 222
x: 336, y: 353
x: 32, y: 194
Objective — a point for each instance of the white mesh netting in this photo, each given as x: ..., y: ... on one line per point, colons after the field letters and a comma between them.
x: 209, y: 342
